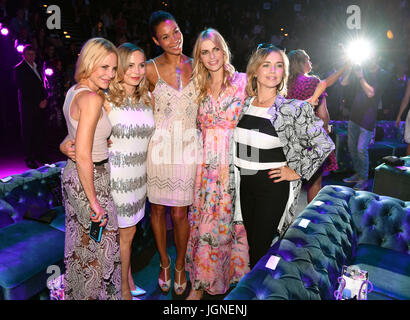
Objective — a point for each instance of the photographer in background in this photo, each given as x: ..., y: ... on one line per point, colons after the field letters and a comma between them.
x: 367, y: 84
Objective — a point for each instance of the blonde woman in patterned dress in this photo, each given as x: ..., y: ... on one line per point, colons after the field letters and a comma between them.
x: 217, y: 253
x: 172, y: 151
x: 93, y: 269
x: 129, y: 109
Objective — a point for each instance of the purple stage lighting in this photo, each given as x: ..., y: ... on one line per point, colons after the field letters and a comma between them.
x: 4, y: 31
x: 20, y: 48
x: 49, y: 72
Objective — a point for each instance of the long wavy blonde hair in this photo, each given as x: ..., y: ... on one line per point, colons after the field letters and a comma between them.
x: 92, y: 54
x: 117, y: 95
x: 257, y: 58
x: 200, y: 73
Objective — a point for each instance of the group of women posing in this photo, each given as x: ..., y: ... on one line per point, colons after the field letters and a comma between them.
x: 227, y: 205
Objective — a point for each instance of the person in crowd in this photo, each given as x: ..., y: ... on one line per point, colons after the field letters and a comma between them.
x: 32, y: 104
x: 172, y: 151
x: 368, y: 85
x: 217, y: 253
x: 93, y: 268
x: 278, y: 142
x: 301, y: 86
x: 129, y: 108
x: 403, y: 105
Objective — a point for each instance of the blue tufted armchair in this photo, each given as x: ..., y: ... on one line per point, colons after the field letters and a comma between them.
x: 344, y: 227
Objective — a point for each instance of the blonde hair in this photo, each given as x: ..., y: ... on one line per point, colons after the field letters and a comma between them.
x: 118, y: 94
x: 257, y: 58
x: 200, y: 73
x: 92, y: 54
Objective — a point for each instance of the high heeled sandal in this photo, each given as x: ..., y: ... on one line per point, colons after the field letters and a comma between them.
x: 138, y: 291
x: 179, y: 288
x: 165, y: 284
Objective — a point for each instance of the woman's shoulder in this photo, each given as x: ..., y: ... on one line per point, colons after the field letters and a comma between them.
x: 283, y: 102
x: 239, y: 77
x: 239, y: 81
x: 308, y: 79
x: 89, y: 98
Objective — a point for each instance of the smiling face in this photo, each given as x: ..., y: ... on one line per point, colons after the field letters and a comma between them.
x: 101, y: 77
x: 135, y: 71
x: 211, y: 56
x: 169, y: 37
x: 270, y: 73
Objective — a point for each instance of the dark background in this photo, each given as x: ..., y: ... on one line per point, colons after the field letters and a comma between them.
x: 317, y: 26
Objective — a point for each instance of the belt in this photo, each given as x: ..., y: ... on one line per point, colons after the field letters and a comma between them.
x: 100, y: 163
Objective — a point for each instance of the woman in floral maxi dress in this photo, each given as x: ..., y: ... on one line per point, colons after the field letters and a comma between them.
x: 217, y: 253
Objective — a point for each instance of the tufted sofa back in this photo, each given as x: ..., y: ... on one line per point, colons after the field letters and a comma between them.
x: 32, y: 192
x: 381, y: 221
x: 323, y: 238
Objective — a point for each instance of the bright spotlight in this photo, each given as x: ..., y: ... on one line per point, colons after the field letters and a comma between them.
x: 20, y: 48
x: 4, y: 31
x: 49, y: 72
x: 359, y: 51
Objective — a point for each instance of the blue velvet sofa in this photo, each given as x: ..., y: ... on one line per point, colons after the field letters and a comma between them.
x: 32, y: 231
x: 387, y: 141
x: 346, y: 227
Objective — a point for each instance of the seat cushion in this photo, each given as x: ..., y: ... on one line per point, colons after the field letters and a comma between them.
x: 27, y: 248
x: 6, y: 214
x: 389, y: 271
x: 59, y: 221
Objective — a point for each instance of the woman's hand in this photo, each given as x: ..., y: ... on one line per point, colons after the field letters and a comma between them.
x: 312, y: 101
x: 398, y: 120
x: 283, y: 174
x: 67, y: 148
x: 97, y: 214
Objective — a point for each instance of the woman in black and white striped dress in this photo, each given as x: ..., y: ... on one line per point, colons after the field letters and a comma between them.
x: 278, y: 142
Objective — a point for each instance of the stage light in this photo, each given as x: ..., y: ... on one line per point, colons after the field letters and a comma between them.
x: 49, y: 72
x: 68, y: 36
x: 4, y: 31
x: 20, y: 48
x: 359, y: 51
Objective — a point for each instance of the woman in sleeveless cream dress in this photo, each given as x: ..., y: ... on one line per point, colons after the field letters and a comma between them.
x: 171, y: 163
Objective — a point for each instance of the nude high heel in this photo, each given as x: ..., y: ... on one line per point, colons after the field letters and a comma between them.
x: 165, y: 284
x: 178, y: 287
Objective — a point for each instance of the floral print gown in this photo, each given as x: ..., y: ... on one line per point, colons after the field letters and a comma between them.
x: 217, y: 253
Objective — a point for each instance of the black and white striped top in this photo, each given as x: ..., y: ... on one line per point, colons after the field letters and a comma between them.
x: 257, y: 144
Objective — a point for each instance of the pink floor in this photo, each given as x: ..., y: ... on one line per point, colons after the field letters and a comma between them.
x: 12, y: 160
